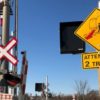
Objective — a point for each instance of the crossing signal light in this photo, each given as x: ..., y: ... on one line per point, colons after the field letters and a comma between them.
x: 69, y: 42
x: 11, y: 79
x: 1, y: 8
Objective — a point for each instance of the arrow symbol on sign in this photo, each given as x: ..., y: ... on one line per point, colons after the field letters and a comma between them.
x: 4, y: 51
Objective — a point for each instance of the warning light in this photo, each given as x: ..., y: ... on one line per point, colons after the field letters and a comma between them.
x: 11, y: 79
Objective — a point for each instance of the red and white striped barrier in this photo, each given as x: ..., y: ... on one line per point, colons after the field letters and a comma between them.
x: 24, y: 73
x: 4, y: 96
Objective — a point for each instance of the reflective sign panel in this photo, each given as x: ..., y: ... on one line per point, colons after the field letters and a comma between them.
x: 89, y: 30
x: 91, y: 60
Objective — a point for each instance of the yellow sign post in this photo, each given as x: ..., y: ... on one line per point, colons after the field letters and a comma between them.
x: 89, y: 30
x: 91, y: 60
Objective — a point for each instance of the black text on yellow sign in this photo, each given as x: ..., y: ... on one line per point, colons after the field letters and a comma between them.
x: 91, y: 60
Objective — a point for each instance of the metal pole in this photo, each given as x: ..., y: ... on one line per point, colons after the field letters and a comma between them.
x: 46, y: 87
x: 5, y: 29
x: 5, y: 33
x: 16, y: 26
x: 99, y: 67
x: 16, y: 18
x: 15, y: 49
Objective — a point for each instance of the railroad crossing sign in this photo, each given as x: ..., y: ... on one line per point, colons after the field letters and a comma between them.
x: 4, y: 51
x: 89, y: 30
x: 91, y: 60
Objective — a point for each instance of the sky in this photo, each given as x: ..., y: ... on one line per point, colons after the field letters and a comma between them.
x: 39, y: 35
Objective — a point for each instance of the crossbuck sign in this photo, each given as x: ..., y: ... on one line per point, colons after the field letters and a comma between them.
x: 4, y: 51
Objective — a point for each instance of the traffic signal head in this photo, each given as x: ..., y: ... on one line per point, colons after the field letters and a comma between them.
x: 11, y: 79
x: 69, y: 42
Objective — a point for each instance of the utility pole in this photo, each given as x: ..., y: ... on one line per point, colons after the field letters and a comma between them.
x: 5, y: 34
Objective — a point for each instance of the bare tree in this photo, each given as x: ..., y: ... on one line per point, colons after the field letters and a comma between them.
x: 82, y: 89
x: 93, y: 95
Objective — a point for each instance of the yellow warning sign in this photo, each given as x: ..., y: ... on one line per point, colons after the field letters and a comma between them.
x: 91, y: 60
x: 89, y: 30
